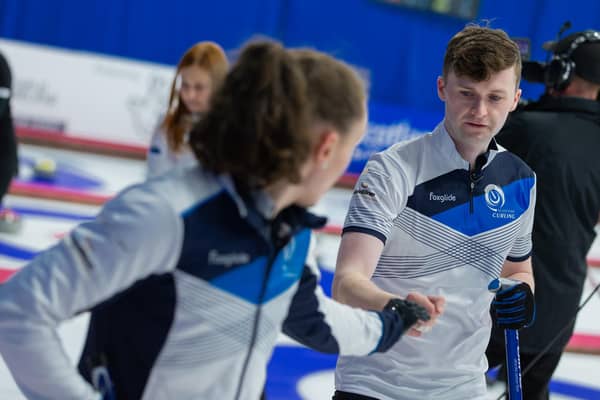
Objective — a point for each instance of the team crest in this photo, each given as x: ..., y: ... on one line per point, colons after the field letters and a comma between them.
x: 494, y: 197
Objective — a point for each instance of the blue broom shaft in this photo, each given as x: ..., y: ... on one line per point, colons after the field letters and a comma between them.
x: 513, y: 364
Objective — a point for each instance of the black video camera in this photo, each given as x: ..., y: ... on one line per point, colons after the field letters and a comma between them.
x: 538, y: 72
x: 534, y: 71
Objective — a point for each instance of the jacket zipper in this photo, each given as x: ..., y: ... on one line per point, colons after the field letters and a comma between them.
x: 475, y: 175
x: 471, y: 190
x: 257, y: 315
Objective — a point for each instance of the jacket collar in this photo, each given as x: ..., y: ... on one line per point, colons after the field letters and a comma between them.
x: 256, y: 208
x: 446, y: 146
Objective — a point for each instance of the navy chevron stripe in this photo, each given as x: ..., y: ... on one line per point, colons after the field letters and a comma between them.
x: 451, y: 245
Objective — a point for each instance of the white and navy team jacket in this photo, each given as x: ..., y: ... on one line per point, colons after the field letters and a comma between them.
x: 188, y: 286
x: 160, y: 158
x: 447, y: 231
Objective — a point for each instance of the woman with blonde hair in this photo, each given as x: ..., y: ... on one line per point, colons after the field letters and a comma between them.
x: 199, y: 73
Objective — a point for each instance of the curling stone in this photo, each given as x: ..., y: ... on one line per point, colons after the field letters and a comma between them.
x: 45, y: 169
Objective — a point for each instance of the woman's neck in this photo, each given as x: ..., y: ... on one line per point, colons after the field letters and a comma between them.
x: 282, y: 194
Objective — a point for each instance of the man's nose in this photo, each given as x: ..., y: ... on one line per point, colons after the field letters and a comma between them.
x: 479, y: 108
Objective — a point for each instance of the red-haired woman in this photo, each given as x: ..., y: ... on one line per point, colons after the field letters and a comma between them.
x: 199, y: 73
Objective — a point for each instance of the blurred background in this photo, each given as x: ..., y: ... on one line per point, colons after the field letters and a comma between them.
x: 101, y: 69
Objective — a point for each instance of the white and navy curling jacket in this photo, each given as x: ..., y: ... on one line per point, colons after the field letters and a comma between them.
x: 188, y: 285
x: 161, y: 159
x: 447, y: 231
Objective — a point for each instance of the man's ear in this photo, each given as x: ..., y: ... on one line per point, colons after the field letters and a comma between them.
x: 441, y: 88
x: 325, y: 147
x: 516, y: 100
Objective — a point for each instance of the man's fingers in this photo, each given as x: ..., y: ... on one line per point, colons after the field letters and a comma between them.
x: 439, y: 303
x: 422, y: 301
x: 423, y: 328
x: 414, y: 332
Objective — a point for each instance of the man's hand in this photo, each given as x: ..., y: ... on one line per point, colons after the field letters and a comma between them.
x: 513, y: 306
x: 434, y: 305
x: 408, y: 311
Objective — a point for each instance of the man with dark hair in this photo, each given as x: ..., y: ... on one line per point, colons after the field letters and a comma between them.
x: 436, y: 219
x: 9, y: 221
x: 558, y: 136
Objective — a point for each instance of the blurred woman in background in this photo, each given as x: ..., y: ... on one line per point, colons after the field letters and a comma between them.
x: 200, y: 72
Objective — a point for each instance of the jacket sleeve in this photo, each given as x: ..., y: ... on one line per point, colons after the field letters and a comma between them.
x: 136, y: 235
x: 379, y: 195
x: 523, y: 245
x: 328, y: 326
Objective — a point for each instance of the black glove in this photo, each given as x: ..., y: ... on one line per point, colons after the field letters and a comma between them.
x: 398, y: 316
x: 513, y: 306
x: 408, y: 311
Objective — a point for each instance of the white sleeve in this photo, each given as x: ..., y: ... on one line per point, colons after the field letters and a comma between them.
x: 522, y: 247
x: 325, y: 325
x: 135, y: 235
x: 158, y: 158
x: 328, y: 326
x: 379, y: 195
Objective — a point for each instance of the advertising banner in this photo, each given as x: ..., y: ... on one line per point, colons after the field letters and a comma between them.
x: 109, y: 102
x: 84, y: 95
x: 390, y: 124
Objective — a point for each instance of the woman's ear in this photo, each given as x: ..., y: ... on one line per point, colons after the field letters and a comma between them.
x: 325, y: 148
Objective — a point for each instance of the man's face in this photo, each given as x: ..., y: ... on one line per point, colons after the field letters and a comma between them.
x: 476, y: 111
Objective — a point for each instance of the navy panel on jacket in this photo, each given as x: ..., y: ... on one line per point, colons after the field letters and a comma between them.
x: 127, y: 333
x: 225, y: 242
x: 233, y: 254
x: 498, y: 198
x: 304, y: 322
x: 428, y: 197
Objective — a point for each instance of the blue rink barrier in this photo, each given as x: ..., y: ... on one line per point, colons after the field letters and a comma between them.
x: 390, y: 124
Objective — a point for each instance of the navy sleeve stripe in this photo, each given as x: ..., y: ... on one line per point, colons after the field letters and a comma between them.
x: 519, y: 259
x: 367, y: 231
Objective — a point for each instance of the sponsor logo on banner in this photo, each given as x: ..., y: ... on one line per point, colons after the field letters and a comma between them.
x: 146, y: 106
x: 390, y: 124
x: 382, y: 136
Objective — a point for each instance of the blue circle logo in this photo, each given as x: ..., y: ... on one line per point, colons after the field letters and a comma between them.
x: 494, y: 197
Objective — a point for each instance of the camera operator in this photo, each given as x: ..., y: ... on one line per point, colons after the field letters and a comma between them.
x: 558, y: 136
